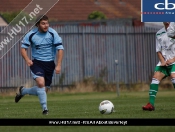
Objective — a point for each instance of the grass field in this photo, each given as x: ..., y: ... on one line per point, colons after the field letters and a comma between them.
x: 85, y: 105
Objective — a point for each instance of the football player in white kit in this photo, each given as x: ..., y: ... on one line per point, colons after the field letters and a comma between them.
x: 165, y: 48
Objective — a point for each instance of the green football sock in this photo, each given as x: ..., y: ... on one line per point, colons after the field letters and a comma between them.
x: 152, y: 93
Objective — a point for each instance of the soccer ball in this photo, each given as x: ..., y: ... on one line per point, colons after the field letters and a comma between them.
x: 106, y: 107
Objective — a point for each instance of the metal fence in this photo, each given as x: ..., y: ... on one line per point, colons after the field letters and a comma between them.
x: 88, y: 51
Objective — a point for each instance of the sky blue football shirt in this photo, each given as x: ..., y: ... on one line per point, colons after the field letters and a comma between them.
x: 44, y: 45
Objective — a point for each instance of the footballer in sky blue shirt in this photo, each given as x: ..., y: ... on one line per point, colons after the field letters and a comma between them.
x: 46, y: 44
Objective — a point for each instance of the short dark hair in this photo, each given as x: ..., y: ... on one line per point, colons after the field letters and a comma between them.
x: 40, y: 18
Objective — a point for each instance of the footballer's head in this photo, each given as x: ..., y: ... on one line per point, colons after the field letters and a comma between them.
x: 42, y: 23
x: 166, y: 24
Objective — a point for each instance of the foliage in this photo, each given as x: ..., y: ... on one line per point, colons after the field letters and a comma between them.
x: 19, y: 16
x: 9, y: 16
x: 96, y: 15
x: 100, y: 83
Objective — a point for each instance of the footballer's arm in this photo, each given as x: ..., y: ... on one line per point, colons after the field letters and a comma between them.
x: 59, y: 61
x: 25, y: 56
x: 161, y: 58
x: 170, y: 61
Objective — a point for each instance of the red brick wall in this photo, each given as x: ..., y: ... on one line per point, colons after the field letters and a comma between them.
x: 66, y: 10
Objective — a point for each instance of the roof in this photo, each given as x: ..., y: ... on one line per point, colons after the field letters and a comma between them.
x: 68, y: 10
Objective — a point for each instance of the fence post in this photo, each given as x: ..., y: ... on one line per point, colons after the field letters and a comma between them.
x: 117, y: 78
x: 83, y: 53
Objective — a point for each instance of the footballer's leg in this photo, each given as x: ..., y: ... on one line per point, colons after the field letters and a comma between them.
x: 38, y: 74
x: 36, y: 71
x: 23, y: 91
x: 49, y: 74
x: 172, y: 71
x: 159, y: 74
x: 48, y: 81
x: 173, y: 79
x: 42, y: 94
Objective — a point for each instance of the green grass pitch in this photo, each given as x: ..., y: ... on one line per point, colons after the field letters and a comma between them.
x: 85, y: 105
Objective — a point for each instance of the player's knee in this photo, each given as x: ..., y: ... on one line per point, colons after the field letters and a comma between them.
x: 40, y: 84
x: 158, y: 75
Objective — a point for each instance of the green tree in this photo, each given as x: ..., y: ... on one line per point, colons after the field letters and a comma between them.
x: 96, y: 15
x: 9, y: 16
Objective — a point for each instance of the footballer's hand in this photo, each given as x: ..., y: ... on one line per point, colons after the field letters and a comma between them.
x: 57, y: 69
x: 163, y: 63
x: 170, y: 61
x: 29, y: 62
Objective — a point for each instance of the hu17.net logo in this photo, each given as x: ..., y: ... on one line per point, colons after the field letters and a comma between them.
x: 158, y: 10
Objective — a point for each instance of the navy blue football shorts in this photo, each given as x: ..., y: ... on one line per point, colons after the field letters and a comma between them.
x: 43, y: 69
